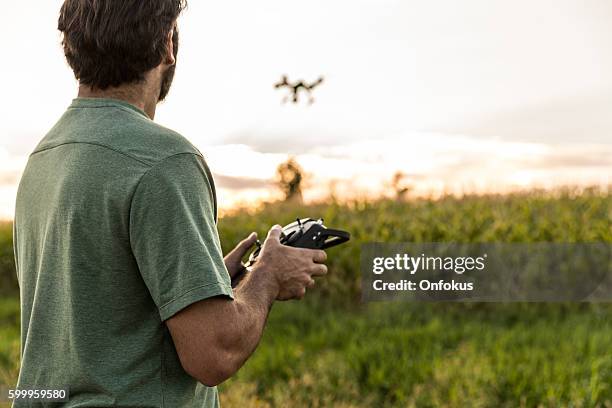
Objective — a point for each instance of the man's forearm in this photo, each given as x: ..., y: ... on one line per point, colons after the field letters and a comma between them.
x: 253, y: 299
x: 215, y: 336
x: 226, y: 331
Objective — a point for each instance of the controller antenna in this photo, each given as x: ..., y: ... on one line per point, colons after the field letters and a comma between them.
x: 299, y: 223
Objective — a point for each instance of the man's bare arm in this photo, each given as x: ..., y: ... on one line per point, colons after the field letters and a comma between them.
x: 214, y: 337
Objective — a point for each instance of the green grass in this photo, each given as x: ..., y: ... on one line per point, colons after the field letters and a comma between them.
x: 561, y: 216
x: 332, y: 350
x: 8, y: 279
x: 9, y: 342
x: 452, y: 355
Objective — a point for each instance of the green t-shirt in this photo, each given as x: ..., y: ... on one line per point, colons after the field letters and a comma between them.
x: 115, y: 232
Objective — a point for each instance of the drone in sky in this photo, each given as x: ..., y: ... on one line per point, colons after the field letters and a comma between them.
x: 296, y: 87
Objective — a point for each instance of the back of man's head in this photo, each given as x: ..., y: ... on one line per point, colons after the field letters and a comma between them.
x: 109, y: 43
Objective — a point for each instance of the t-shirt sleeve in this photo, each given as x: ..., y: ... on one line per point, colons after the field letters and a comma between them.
x: 174, y: 236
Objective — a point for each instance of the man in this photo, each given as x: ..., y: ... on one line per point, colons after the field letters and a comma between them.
x: 126, y: 298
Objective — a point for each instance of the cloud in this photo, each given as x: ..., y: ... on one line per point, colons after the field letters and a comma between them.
x: 240, y: 183
x: 581, y: 118
x: 523, y: 157
x: 11, y: 167
x: 578, y: 158
x: 9, y: 178
x: 20, y: 142
x: 290, y: 140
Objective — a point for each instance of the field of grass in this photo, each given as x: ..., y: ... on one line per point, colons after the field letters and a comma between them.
x: 332, y: 350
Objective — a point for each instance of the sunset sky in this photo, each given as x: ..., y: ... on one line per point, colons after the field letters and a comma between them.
x: 471, y: 95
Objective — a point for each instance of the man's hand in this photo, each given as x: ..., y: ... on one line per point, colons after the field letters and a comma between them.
x: 215, y: 336
x: 233, y: 260
x: 292, y: 269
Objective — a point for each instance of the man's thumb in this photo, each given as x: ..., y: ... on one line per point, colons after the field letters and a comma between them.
x: 248, y: 242
x: 274, y: 233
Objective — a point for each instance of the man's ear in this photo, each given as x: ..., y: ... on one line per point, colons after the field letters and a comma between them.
x: 170, y: 60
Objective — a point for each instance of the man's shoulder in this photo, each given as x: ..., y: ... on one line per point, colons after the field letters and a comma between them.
x: 151, y: 143
x: 122, y: 130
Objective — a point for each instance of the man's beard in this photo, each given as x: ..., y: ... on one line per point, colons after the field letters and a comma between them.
x: 168, y: 76
x: 166, y: 83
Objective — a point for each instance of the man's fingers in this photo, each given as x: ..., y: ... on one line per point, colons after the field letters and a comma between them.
x: 301, y: 292
x: 318, y: 270
x: 311, y: 283
x: 319, y: 256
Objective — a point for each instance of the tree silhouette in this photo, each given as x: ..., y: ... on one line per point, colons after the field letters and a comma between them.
x: 400, y: 185
x: 289, y: 177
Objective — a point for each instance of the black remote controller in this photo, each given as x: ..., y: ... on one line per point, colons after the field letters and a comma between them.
x: 307, y: 233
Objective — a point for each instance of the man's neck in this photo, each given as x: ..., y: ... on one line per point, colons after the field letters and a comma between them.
x: 138, y: 95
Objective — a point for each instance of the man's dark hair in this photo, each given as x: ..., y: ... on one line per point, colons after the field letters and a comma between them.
x: 112, y: 42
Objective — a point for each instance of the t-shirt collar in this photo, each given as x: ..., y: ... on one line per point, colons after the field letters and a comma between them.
x: 104, y: 102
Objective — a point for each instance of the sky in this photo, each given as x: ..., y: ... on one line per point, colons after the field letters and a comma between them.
x: 467, y: 96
